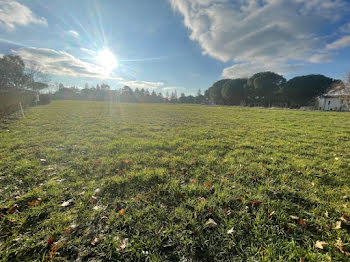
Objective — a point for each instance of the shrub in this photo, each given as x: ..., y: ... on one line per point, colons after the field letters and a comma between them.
x: 9, y: 101
x: 45, y: 99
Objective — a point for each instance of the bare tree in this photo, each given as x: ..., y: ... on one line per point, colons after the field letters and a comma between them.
x: 343, y: 89
x: 36, y: 78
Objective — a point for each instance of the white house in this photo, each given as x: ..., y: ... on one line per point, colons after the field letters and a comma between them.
x: 334, y: 100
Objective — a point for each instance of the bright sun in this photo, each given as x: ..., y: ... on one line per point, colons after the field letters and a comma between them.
x: 107, y: 60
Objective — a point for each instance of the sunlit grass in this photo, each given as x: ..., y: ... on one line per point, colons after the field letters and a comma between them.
x: 145, y: 179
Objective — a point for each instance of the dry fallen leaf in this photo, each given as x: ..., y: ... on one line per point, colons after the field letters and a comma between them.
x: 345, y: 218
x: 172, y: 171
x: 202, y: 200
x: 34, y: 202
x: 294, y: 217
x: 93, y: 200
x: 207, y: 184
x: 192, y: 180
x: 337, y: 225
x: 339, y: 246
x: 320, y: 244
x: 123, y: 244
x: 13, y: 209
x: 121, y: 211
x: 230, y: 231
x: 50, y: 241
x: 302, y: 221
x: 95, y: 241
x: 211, y: 223
x: 104, y: 219
x: 270, y: 213
x: 67, y: 203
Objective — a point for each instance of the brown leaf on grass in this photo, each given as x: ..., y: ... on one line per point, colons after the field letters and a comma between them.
x: 230, y: 231
x: 294, y: 217
x: 270, y: 214
x: 183, y: 170
x: 121, y: 211
x: 172, y: 171
x: 67, y: 203
x: 182, y: 196
x: 184, y: 148
x: 211, y: 208
x: 287, y: 228
x: 50, y: 241
x: 302, y: 222
x: 127, y: 161
x: 254, y: 179
x: 339, y: 245
x: 97, y: 162
x: 320, y: 244
x: 345, y: 218
x: 202, y: 200
x: 13, y: 209
x: 147, y: 196
x: 337, y: 225
x: 123, y: 244
x: 207, y: 184
x: 192, y: 180
x: 35, y: 202
x: 93, y: 200
x: 94, y: 241
x: 301, y: 260
x: 256, y: 203
x: 227, y: 212
x: 104, y: 219
x: 53, y: 251
x: 210, y: 223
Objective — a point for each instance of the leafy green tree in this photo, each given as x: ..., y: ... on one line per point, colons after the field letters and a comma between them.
x: 264, y: 87
x: 233, y: 91
x: 12, y: 74
x: 215, y: 91
x: 301, y: 90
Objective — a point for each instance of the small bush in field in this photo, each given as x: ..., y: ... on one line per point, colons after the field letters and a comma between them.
x: 45, y: 99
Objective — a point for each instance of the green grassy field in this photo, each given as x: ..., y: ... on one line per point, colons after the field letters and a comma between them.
x: 94, y: 181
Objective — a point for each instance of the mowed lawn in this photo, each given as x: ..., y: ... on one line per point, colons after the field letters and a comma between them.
x: 98, y: 181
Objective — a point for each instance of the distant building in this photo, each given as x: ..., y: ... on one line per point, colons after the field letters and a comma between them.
x: 335, y: 100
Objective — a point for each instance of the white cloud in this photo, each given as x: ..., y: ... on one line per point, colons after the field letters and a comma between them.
x: 245, y: 70
x: 345, y: 28
x: 259, y: 34
x: 169, y: 88
x: 340, y: 43
x: 322, y: 57
x: 61, y: 63
x: 74, y: 33
x: 143, y: 84
x: 13, y: 13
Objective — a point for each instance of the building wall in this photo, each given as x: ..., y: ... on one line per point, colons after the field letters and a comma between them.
x: 332, y: 104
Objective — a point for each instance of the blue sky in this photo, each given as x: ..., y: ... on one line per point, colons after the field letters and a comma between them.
x: 176, y: 44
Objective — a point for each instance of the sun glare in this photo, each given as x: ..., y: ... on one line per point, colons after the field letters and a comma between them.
x: 107, y: 60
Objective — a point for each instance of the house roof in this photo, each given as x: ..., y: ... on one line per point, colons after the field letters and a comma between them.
x: 337, y: 91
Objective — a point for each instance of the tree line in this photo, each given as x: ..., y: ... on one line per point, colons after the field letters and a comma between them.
x: 262, y: 89
x: 270, y: 89
x: 103, y: 92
